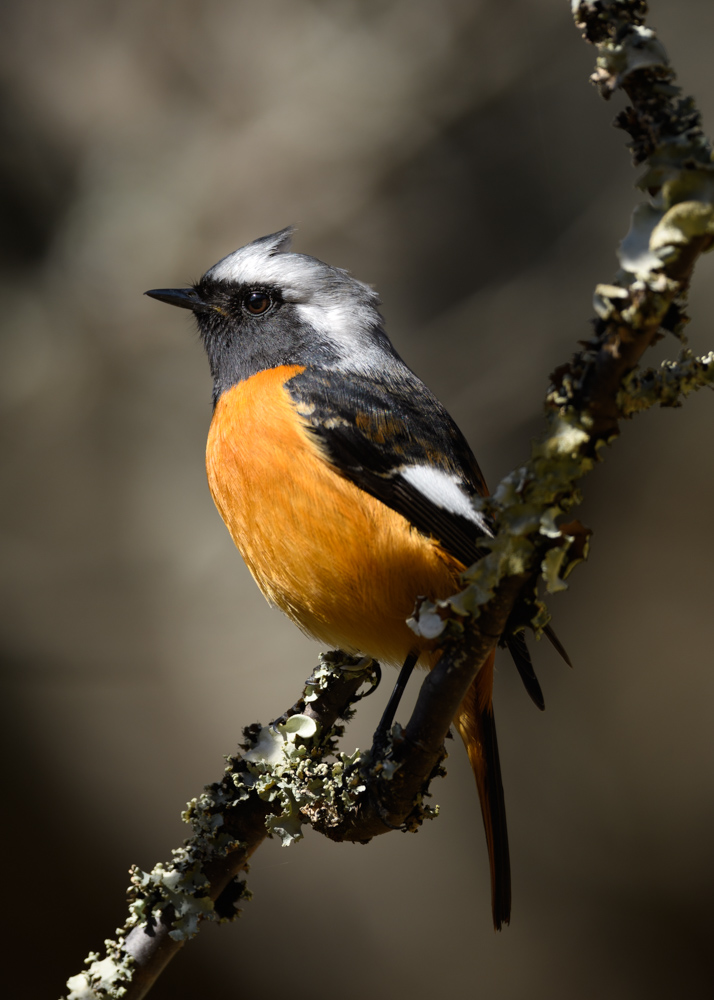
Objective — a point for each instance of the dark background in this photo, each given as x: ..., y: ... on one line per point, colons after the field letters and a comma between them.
x: 452, y: 154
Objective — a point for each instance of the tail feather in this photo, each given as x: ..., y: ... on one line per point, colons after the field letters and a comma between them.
x: 522, y: 658
x: 556, y: 644
x: 477, y: 728
x: 515, y: 640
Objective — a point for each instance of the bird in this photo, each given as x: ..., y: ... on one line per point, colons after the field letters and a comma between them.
x: 345, y: 484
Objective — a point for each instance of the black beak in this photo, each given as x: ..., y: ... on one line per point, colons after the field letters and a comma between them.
x: 186, y: 298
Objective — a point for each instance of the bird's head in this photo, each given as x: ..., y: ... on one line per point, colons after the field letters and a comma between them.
x: 263, y: 306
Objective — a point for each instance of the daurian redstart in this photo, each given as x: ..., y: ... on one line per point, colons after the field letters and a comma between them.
x: 343, y: 481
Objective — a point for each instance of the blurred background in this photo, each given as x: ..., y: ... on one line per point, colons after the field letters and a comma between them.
x: 454, y: 155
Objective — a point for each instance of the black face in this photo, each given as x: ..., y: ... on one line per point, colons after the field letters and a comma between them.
x: 207, y: 297
x: 236, y: 302
x: 246, y: 329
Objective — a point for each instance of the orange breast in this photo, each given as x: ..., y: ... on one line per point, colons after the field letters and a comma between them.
x: 346, y: 568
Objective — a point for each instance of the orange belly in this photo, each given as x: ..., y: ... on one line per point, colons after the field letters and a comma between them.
x: 346, y: 568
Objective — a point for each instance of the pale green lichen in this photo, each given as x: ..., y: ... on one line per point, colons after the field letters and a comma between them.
x: 657, y: 234
x: 667, y: 136
x: 635, y: 253
x: 638, y: 49
x: 288, y: 768
x: 667, y: 385
x: 324, y: 672
x: 306, y: 779
x: 529, y: 502
x: 273, y: 742
x: 684, y: 221
x: 183, y: 887
x: 607, y: 297
x: 106, y: 977
x: 427, y: 624
x: 680, y: 180
x: 283, y: 765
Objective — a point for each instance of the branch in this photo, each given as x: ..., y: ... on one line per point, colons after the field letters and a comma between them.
x: 668, y: 385
x: 395, y: 780
x: 290, y: 773
x: 230, y: 820
x: 597, y: 388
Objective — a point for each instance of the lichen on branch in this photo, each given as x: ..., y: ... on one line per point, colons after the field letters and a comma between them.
x: 263, y: 789
x: 646, y: 300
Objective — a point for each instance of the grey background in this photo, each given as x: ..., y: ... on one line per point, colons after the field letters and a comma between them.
x: 453, y: 155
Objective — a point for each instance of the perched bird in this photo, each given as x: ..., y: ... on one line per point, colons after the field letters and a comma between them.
x: 343, y: 481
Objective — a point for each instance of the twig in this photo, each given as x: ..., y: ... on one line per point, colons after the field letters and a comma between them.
x: 230, y: 821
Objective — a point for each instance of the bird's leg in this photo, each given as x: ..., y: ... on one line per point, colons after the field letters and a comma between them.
x: 385, y: 723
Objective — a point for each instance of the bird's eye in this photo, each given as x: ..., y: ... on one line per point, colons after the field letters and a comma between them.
x: 257, y: 302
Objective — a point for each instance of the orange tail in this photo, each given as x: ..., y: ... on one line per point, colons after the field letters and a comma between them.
x: 477, y: 729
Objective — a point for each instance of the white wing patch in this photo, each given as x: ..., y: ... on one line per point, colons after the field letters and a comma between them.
x: 445, y: 490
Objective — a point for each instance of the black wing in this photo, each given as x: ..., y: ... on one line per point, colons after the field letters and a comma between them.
x: 376, y: 433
